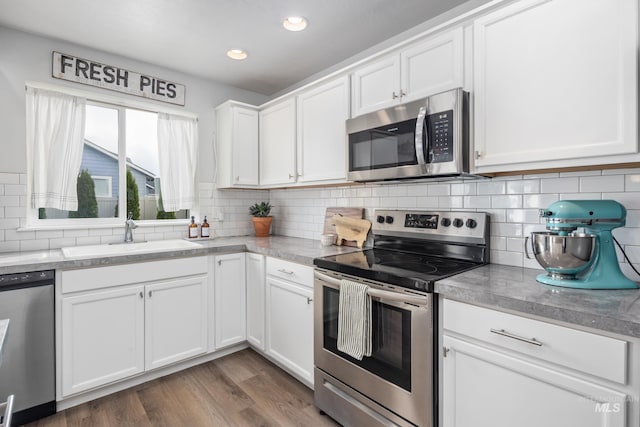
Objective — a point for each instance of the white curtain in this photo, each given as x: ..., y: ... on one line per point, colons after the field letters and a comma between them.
x: 55, y: 138
x: 178, y: 151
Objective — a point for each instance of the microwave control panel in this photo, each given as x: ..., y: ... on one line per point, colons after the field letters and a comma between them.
x: 440, y: 131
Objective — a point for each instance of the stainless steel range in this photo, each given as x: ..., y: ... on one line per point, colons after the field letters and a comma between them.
x: 396, y: 385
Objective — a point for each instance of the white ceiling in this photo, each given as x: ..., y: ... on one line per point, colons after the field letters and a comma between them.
x: 193, y: 35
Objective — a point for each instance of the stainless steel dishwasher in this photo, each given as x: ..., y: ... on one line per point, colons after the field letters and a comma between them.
x: 28, y: 363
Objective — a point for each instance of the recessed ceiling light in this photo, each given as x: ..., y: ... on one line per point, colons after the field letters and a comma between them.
x: 238, y: 54
x: 295, y: 23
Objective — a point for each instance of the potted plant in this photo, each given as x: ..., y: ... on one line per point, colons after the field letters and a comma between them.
x: 261, y: 219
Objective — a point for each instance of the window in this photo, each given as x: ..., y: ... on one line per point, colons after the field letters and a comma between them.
x: 120, y: 170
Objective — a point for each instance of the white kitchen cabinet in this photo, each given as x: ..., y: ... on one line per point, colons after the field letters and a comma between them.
x: 503, y: 370
x: 289, y: 317
x: 278, y: 143
x: 113, y: 319
x: 102, y: 338
x: 321, y: 144
x: 555, y: 84
x: 237, y: 145
x: 255, y: 300
x: 427, y: 67
x: 229, y: 299
x: 176, y: 320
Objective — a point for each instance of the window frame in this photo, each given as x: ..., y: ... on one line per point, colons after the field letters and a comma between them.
x: 109, y: 181
x: 33, y: 222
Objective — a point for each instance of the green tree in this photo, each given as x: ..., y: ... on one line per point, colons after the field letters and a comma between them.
x: 161, y: 212
x: 133, y: 200
x: 87, y: 203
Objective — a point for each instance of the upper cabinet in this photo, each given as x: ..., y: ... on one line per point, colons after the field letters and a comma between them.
x: 430, y: 66
x: 278, y: 143
x: 237, y: 145
x: 555, y: 84
x: 322, y: 112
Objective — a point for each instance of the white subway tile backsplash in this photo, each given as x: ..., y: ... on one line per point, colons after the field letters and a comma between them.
x: 602, y: 184
x: 560, y: 185
x: 632, y: 182
x: 512, y: 203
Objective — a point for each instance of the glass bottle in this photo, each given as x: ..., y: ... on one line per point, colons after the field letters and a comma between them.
x: 193, y: 228
x: 204, y: 228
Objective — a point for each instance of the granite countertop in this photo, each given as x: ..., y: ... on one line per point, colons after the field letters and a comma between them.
x: 516, y: 288
x: 294, y: 249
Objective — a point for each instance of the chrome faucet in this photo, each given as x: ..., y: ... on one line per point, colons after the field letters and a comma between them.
x: 129, y: 225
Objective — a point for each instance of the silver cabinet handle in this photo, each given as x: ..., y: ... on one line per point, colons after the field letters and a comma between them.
x: 219, y: 262
x: 237, y: 178
x: 402, y: 93
x: 150, y: 293
x: 309, y: 300
x: 141, y: 294
x: 282, y: 270
x: 394, y: 96
x: 504, y: 333
x: 292, y: 176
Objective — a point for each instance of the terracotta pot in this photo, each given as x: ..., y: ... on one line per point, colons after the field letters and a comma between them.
x: 262, y: 225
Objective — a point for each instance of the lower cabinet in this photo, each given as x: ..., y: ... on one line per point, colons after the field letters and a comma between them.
x: 496, y: 371
x: 255, y: 300
x: 113, y: 324
x: 102, y: 338
x: 289, y: 323
x: 229, y: 299
x: 175, y: 320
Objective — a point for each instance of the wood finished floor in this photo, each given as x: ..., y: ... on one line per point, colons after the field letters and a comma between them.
x: 242, y: 389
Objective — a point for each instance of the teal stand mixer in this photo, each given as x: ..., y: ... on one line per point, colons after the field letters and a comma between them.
x: 580, y: 260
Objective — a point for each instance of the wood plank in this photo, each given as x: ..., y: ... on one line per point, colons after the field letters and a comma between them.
x: 241, y: 389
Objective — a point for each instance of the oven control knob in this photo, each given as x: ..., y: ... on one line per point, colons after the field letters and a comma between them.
x: 458, y: 223
x: 389, y: 219
x: 445, y: 222
x: 380, y: 219
x: 471, y: 223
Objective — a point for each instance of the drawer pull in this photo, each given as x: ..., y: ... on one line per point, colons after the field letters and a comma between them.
x: 282, y: 270
x: 516, y: 337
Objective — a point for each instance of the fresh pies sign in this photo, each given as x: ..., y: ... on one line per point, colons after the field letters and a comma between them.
x: 80, y: 70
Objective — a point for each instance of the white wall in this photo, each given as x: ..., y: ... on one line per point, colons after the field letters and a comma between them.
x: 512, y: 203
x: 28, y: 57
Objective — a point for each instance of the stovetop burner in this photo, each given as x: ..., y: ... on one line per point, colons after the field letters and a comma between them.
x: 413, y: 249
x: 415, y: 271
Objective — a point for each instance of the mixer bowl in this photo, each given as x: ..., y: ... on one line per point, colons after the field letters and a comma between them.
x: 563, y: 256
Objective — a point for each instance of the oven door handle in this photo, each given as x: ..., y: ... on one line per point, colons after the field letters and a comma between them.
x: 377, y: 293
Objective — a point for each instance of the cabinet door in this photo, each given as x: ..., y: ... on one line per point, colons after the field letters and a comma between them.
x: 278, y: 143
x: 555, y: 84
x: 376, y: 85
x: 483, y: 387
x: 255, y: 300
x: 432, y: 66
x: 176, y: 320
x: 102, y: 338
x: 322, y: 147
x: 290, y: 326
x: 245, y: 147
x: 229, y: 299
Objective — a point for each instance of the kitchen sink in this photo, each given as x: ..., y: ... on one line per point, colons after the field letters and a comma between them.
x: 116, y: 249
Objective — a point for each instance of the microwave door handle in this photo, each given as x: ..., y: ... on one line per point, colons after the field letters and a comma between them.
x: 420, y: 129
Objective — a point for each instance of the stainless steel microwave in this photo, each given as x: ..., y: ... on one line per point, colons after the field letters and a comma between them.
x: 420, y: 139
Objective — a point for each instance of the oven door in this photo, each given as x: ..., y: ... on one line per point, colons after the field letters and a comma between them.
x: 399, y: 374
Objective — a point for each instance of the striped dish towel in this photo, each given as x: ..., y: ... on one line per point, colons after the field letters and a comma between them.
x: 354, y: 319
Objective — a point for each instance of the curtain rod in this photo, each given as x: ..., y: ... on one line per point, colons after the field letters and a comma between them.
x: 110, y: 99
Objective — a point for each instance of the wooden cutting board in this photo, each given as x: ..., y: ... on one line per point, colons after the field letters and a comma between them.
x: 351, y: 229
x: 330, y: 227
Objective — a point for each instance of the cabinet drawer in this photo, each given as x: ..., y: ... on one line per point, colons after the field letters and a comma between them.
x: 85, y: 279
x: 288, y: 270
x: 593, y: 354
